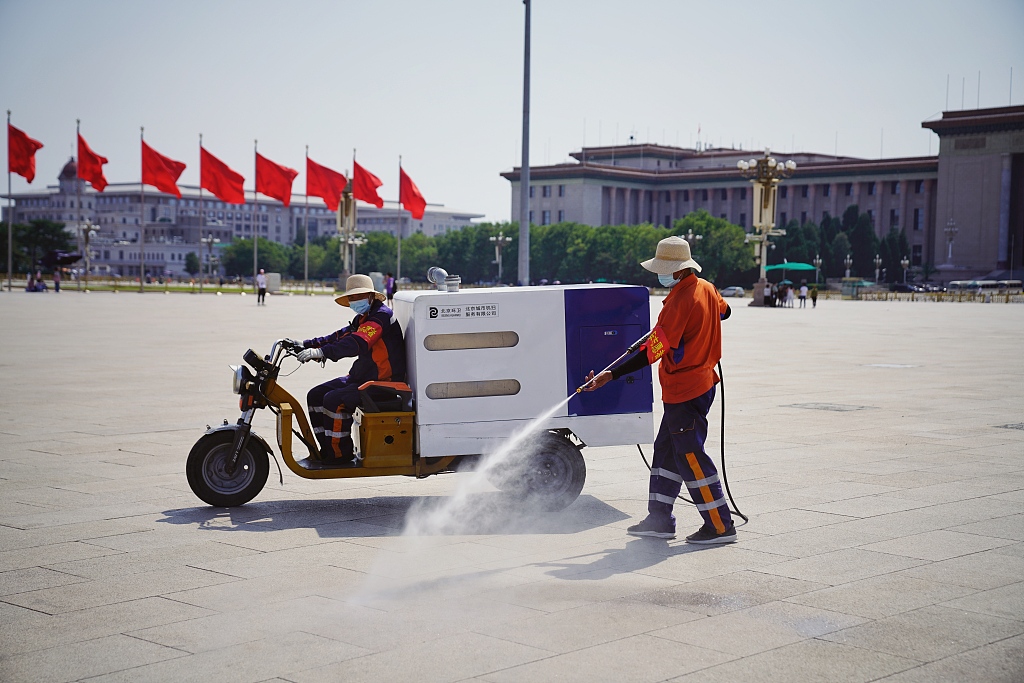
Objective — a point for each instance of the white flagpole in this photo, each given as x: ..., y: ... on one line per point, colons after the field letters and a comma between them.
x: 398, y: 264
x: 202, y: 213
x: 255, y: 234
x: 142, y: 222
x: 78, y: 196
x: 10, y: 213
x: 305, y: 240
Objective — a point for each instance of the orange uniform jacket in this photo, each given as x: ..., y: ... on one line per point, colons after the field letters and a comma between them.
x: 688, y: 339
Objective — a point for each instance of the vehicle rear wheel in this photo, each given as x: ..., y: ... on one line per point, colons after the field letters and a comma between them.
x: 209, y: 479
x: 549, y: 473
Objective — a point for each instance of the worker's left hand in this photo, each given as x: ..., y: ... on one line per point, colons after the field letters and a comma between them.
x: 306, y: 355
x: 597, y: 382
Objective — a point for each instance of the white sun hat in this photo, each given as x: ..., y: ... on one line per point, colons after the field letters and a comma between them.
x: 672, y: 255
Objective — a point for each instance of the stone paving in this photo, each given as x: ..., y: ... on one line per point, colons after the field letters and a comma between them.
x: 877, y: 447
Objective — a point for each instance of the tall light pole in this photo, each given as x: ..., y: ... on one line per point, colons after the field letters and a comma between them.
x: 848, y: 262
x: 951, y: 231
x: 524, y: 171
x: 209, y: 242
x: 905, y: 262
x: 765, y: 174
x: 817, y: 266
x: 878, y: 266
x: 500, y: 241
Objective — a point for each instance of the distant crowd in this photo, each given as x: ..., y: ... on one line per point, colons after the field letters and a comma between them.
x: 783, y: 295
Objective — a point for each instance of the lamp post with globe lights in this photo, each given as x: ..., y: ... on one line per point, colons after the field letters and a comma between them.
x: 817, y: 266
x: 500, y: 241
x: 951, y: 231
x: 878, y: 266
x: 765, y: 174
x: 905, y: 262
x: 848, y: 262
x: 209, y: 242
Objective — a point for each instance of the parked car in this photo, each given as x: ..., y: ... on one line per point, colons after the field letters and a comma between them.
x: 733, y: 291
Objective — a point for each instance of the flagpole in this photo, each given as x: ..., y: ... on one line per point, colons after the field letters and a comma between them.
x: 305, y: 239
x: 78, y: 195
x: 142, y: 221
x: 524, y: 171
x: 10, y: 212
x: 398, y: 264
x: 202, y: 213
x: 255, y: 234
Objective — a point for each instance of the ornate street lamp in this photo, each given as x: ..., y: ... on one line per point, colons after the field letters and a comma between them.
x: 951, y: 230
x: 848, y: 261
x: 500, y: 241
x: 817, y: 266
x: 209, y: 242
x: 878, y: 266
x: 765, y: 174
x: 905, y: 262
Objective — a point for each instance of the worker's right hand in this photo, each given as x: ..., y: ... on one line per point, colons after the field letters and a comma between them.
x: 307, y: 355
x: 597, y: 382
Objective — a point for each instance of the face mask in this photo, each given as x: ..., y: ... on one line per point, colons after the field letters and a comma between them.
x: 360, y: 306
x: 667, y: 280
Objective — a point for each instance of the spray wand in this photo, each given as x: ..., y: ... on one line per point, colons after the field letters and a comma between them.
x: 632, y: 349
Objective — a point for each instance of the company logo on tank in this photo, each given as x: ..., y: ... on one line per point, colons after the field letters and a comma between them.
x: 467, y: 311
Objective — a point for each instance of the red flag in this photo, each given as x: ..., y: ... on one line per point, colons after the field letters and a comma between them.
x: 364, y: 186
x: 90, y: 165
x: 409, y: 195
x: 161, y: 172
x: 324, y: 183
x: 218, y: 178
x: 21, y: 153
x: 274, y: 180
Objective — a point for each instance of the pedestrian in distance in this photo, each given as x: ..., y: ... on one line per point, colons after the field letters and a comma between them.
x: 803, y: 294
x: 767, y: 295
x: 789, y: 296
x: 390, y: 287
x: 688, y: 341
x: 814, y: 296
x: 56, y: 281
x: 261, y: 288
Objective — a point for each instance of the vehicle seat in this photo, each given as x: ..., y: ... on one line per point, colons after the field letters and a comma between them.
x: 385, y: 397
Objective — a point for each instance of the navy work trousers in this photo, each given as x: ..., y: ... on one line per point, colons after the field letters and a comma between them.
x: 330, y: 415
x: 679, y: 458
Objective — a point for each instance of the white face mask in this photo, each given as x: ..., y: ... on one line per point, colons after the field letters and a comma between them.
x: 667, y: 280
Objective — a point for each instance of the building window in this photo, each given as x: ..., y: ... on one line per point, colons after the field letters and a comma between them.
x: 803, y: 217
x: 545, y: 217
x: 686, y: 195
x: 895, y: 187
x: 724, y: 216
x: 919, y: 187
x: 743, y: 193
x: 894, y: 217
x: 782, y: 217
x: 531, y: 191
x: 785, y: 191
x: 561, y: 216
x: 803, y: 190
x: 826, y: 190
x: 530, y: 217
x: 545, y: 191
x: 849, y: 189
x: 871, y: 215
x: 916, y: 254
x: 743, y: 219
x: 561, y: 190
x: 704, y: 195
x: 667, y: 196
x: 917, y: 219
x: 871, y: 188
x: 725, y: 194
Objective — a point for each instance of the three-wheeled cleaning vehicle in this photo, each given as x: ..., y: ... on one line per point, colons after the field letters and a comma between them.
x: 482, y: 364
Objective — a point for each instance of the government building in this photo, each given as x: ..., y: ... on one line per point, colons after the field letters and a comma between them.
x: 962, y: 210
x: 170, y: 228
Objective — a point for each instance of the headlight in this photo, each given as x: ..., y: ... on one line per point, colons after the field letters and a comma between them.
x: 240, y: 378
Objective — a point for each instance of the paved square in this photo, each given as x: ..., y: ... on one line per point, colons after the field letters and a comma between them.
x: 872, y: 444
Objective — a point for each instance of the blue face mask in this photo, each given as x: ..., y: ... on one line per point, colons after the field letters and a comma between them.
x: 360, y: 306
x: 667, y: 280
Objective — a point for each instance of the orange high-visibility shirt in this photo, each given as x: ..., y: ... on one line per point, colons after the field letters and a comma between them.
x: 690, y: 331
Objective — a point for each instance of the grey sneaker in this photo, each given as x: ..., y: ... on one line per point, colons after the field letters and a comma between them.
x: 654, y: 527
x: 707, y: 535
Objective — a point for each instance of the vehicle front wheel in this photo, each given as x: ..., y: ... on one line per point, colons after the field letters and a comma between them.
x: 209, y: 479
x: 549, y: 472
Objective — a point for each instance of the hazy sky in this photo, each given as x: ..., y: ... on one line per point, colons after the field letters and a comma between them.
x: 440, y: 82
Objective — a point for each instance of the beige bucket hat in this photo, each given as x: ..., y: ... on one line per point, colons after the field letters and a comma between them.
x: 358, y: 284
x: 673, y: 254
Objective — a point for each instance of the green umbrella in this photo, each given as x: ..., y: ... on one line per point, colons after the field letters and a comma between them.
x: 790, y: 266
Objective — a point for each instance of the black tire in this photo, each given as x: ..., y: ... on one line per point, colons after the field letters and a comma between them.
x: 549, y: 474
x: 209, y: 480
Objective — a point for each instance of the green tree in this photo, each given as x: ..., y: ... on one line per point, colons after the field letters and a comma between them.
x: 34, y: 241
x: 419, y: 252
x: 839, y: 249
x: 192, y: 265
x: 863, y: 246
x: 722, y: 252
x: 378, y: 254
x: 272, y: 257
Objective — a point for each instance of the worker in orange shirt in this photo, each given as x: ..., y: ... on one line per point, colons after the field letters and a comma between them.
x: 688, y: 342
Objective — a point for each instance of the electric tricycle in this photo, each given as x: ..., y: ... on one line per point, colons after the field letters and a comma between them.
x: 480, y: 370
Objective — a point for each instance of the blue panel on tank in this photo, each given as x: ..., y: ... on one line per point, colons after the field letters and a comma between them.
x: 600, y: 324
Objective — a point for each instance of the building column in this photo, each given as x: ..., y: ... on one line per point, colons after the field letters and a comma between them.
x: 1003, y: 258
x: 904, y: 187
x: 834, y: 196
